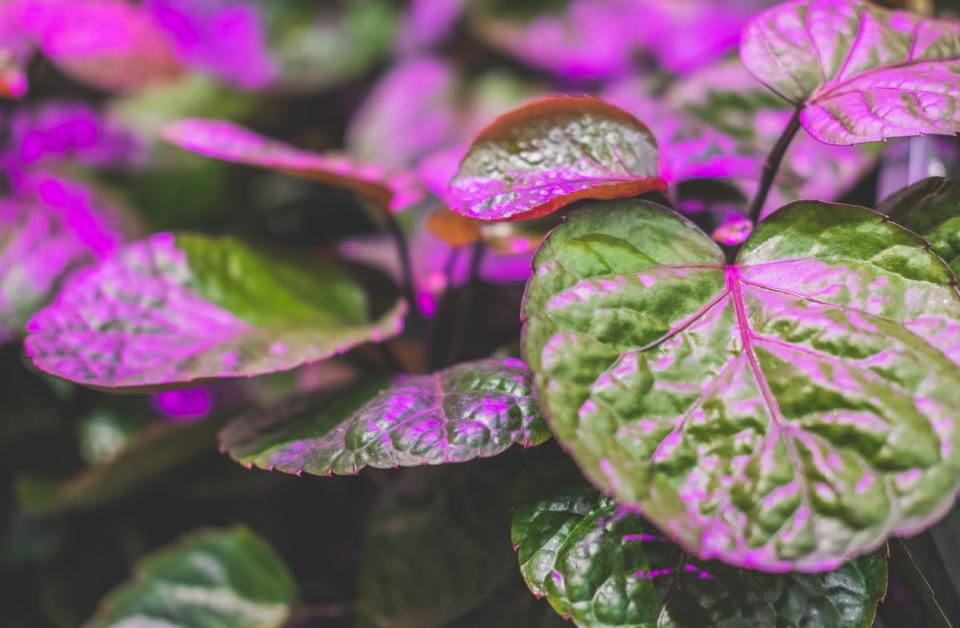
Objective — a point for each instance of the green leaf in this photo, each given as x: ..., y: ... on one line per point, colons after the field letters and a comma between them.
x: 171, y: 310
x: 789, y: 411
x: 212, y: 578
x: 549, y: 153
x: 603, y: 566
x: 472, y: 410
x: 931, y: 208
x: 438, y: 547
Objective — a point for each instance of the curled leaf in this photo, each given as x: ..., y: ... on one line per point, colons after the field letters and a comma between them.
x: 472, y: 410
x: 536, y: 159
x: 175, y: 309
x: 225, y: 577
x: 230, y: 142
x: 861, y: 73
x: 786, y: 412
x: 599, y: 564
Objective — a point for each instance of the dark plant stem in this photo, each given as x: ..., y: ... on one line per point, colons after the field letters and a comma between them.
x: 772, y: 165
x: 467, y: 298
x: 406, y: 270
x: 902, y: 564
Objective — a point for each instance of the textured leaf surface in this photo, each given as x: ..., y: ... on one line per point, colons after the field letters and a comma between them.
x: 174, y: 309
x: 230, y: 142
x: 472, y: 410
x: 786, y: 412
x: 536, y: 159
x: 862, y: 73
x: 931, y: 208
x: 603, y: 566
x: 438, y: 547
x: 211, y: 578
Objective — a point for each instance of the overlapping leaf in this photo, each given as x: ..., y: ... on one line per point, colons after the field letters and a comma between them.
x: 211, y: 578
x: 173, y: 309
x: 860, y: 72
x: 472, y: 410
x: 227, y: 141
x: 601, y: 565
x: 931, y: 208
x: 788, y: 411
x: 536, y: 159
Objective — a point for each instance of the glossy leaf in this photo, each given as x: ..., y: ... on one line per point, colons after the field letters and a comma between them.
x: 230, y: 142
x: 931, y: 208
x: 536, y: 159
x: 786, y: 412
x: 175, y: 309
x: 860, y: 72
x: 210, y: 578
x: 601, y: 565
x: 472, y: 410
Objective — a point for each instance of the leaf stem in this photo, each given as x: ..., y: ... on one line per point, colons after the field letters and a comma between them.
x: 772, y: 165
x: 406, y: 270
x: 466, y: 303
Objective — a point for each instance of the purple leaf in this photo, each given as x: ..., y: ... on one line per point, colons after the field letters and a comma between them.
x: 536, y: 159
x: 860, y: 72
x: 230, y: 142
x: 426, y: 23
x: 171, y: 310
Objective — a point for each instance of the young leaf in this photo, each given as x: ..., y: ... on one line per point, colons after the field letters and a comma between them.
x: 601, y: 565
x: 931, y: 208
x: 472, y: 410
x: 860, y: 72
x: 225, y: 577
x: 230, y: 142
x: 547, y: 154
x: 170, y: 310
x: 453, y: 228
x: 786, y: 412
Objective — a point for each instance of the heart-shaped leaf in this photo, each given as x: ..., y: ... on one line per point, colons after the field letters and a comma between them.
x: 931, y: 208
x: 216, y: 577
x: 534, y: 160
x: 860, y: 72
x: 174, y: 309
x: 789, y: 411
x: 601, y: 565
x: 472, y: 410
x: 230, y: 142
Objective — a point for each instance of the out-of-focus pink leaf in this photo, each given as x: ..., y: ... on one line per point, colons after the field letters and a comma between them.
x: 547, y: 154
x: 15, y: 52
x: 171, y: 310
x: 230, y: 142
x: 860, y: 72
x: 224, y: 37
x: 426, y: 23
x: 411, y: 112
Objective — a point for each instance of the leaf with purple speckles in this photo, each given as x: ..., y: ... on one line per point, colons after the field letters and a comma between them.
x: 860, y: 72
x: 230, y: 142
x: 171, y: 310
x: 536, y: 159
x: 786, y: 412
x: 601, y: 565
x: 472, y: 410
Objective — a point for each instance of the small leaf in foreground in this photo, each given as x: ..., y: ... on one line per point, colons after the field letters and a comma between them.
x: 536, y: 159
x: 170, y: 310
x: 931, y: 208
x: 227, y: 141
x: 861, y: 73
x: 211, y: 578
x: 601, y: 565
x: 786, y: 412
x: 472, y: 410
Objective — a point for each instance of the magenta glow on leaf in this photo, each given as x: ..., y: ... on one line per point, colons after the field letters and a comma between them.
x: 186, y: 404
x: 861, y: 73
x: 230, y: 142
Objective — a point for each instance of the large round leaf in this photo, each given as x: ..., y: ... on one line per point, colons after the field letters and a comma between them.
x: 931, y: 207
x: 174, y: 309
x: 472, y: 410
x: 788, y: 411
x: 860, y: 72
x: 603, y: 566
x: 536, y: 159
x: 209, y: 579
